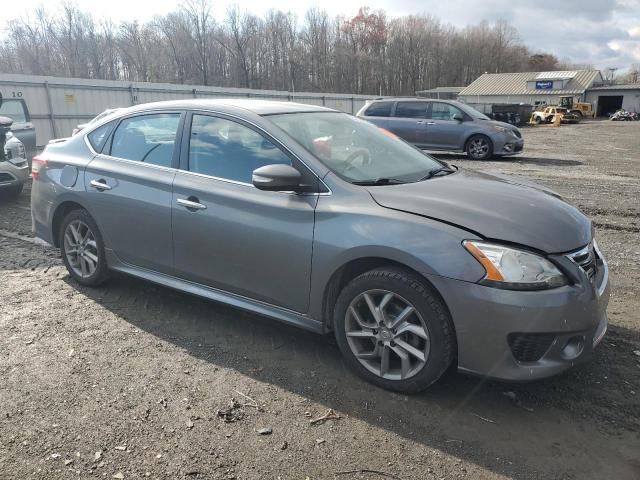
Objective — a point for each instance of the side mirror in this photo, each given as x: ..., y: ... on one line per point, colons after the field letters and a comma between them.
x: 277, y: 178
x: 458, y: 117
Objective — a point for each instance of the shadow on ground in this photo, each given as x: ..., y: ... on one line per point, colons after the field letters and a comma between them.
x: 469, y: 418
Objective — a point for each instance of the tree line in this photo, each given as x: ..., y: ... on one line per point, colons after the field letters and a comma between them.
x: 369, y: 53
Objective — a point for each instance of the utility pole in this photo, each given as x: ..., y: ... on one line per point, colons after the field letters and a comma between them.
x: 612, y: 71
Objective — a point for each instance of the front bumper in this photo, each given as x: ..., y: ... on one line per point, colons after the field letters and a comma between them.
x: 519, y: 335
x: 12, y: 175
x: 509, y: 145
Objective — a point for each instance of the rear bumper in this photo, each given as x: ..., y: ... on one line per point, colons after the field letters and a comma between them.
x: 12, y: 175
x: 520, y: 336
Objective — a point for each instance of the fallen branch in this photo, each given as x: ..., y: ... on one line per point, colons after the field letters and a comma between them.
x: 330, y: 415
x: 253, y: 403
x: 488, y: 420
x: 366, y: 470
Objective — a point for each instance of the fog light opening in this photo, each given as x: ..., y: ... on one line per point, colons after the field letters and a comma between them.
x: 573, y: 348
x: 508, y: 147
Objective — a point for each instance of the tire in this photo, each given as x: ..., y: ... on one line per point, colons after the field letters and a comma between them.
x: 364, y: 353
x: 538, y: 120
x: 88, y: 239
x: 12, y: 192
x: 479, y: 147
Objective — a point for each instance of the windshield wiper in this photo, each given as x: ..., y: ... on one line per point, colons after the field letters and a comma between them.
x: 379, y: 181
x: 446, y: 169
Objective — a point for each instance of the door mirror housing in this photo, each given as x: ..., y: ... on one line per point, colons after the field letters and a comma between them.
x: 277, y: 178
x: 458, y: 117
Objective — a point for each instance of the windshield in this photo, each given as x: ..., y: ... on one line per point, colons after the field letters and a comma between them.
x: 472, y: 112
x: 354, y: 149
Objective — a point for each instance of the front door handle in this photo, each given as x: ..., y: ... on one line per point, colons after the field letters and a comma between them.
x: 100, y: 185
x: 191, y: 203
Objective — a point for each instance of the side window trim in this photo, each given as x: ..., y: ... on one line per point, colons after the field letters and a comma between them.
x: 295, y: 161
x: 175, y: 158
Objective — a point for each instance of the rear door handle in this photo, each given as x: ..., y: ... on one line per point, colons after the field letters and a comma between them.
x: 191, y: 203
x: 100, y: 185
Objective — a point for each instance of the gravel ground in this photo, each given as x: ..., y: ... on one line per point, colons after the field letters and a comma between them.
x: 132, y: 380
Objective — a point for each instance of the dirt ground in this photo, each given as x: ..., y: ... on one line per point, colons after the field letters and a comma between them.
x: 129, y: 380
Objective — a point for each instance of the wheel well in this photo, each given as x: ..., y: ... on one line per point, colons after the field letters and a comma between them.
x: 62, y: 211
x: 351, y: 270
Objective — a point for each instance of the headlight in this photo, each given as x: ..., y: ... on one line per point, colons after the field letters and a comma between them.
x: 499, y: 128
x: 514, y: 269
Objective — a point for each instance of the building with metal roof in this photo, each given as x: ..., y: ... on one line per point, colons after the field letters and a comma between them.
x: 530, y: 87
x: 606, y: 99
x: 441, y: 93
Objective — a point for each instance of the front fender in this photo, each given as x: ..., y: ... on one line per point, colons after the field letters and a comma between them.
x: 370, y: 231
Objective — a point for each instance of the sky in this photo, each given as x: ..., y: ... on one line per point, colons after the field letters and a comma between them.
x: 605, y: 33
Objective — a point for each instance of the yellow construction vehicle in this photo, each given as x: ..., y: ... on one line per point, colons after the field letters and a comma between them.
x: 581, y: 109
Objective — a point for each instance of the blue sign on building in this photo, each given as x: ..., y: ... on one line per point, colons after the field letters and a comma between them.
x: 544, y: 84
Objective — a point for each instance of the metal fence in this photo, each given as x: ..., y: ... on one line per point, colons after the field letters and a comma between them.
x: 57, y: 105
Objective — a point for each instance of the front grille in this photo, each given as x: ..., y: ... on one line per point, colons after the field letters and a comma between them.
x: 529, y: 347
x: 586, y: 259
x: 6, y: 177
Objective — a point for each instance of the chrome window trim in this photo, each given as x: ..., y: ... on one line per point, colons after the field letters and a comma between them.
x: 223, y: 114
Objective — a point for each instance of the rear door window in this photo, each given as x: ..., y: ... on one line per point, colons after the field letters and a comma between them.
x: 147, y: 138
x: 379, y: 109
x: 411, y: 109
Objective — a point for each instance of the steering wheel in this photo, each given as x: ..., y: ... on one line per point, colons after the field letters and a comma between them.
x: 353, y: 156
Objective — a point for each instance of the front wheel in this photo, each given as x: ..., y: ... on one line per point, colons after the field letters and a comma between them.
x: 479, y: 147
x: 12, y: 192
x: 82, y: 249
x: 394, y: 330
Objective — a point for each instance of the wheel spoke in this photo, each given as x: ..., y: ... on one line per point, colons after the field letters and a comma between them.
x: 402, y: 316
x: 383, y: 303
x: 91, y: 243
x: 405, y: 361
x: 358, y: 318
x: 83, y: 266
x: 373, y: 309
x: 375, y: 354
x: 384, y: 360
x: 361, y: 334
x: 75, y: 233
x: 410, y: 349
x: 411, y: 328
x: 91, y: 256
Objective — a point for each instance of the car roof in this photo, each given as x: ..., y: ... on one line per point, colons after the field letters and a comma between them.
x: 411, y: 99
x: 259, y: 107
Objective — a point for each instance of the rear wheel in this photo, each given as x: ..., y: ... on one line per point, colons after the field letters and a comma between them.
x: 393, y: 330
x: 82, y: 248
x: 479, y: 147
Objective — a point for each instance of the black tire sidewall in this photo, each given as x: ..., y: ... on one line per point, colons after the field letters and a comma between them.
x: 430, y: 307
x: 489, y: 153
x: 100, y: 275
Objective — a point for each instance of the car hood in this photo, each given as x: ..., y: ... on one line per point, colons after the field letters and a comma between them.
x: 496, y: 207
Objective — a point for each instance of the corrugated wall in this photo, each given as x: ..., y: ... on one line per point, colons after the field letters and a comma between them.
x: 630, y: 98
x: 57, y: 105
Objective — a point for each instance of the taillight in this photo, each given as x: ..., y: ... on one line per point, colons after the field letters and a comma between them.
x: 37, y: 163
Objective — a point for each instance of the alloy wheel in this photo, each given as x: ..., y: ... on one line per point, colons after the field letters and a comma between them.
x: 387, y: 334
x: 81, y: 249
x: 479, y: 148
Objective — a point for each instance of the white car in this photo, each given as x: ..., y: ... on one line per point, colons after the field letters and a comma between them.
x: 100, y: 116
x: 14, y: 168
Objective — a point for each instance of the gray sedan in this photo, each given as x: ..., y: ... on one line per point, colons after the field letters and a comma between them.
x: 322, y: 220
x: 444, y: 125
